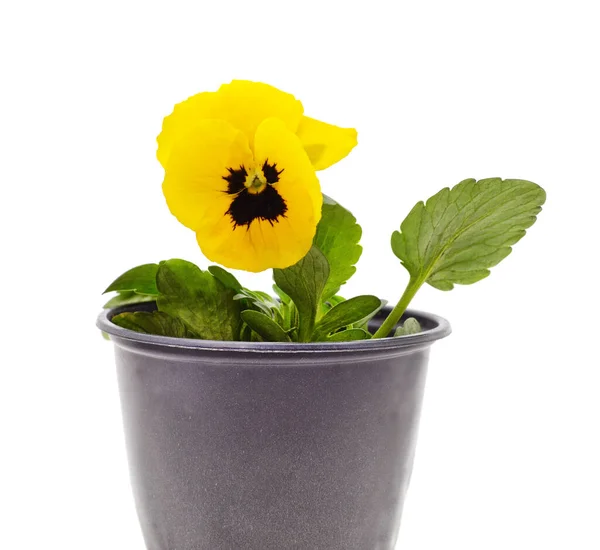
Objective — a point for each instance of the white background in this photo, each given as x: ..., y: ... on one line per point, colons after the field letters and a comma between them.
x: 439, y: 91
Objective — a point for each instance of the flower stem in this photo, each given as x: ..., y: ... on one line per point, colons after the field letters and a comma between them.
x: 392, y: 319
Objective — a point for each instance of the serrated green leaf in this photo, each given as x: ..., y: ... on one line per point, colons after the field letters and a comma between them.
x: 141, y: 279
x: 349, y: 335
x: 337, y: 238
x: 410, y: 326
x: 461, y: 232
x: 264, y: 326
x: 155, y: 322
x: 304, y: 283
x: 127, y: 298
x: 346, y: 313
x: 200, y: 300
x: 225, y: 277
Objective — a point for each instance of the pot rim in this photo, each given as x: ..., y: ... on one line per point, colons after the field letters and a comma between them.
x: 436, y: 328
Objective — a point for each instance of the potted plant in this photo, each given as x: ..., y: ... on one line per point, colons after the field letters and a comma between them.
x: 265, y: 422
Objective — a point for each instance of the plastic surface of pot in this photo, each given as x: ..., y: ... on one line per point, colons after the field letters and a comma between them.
x: 271, y: 446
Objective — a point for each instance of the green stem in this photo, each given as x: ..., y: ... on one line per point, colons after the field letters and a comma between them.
x: 392, y: 319
x: 306, y: 326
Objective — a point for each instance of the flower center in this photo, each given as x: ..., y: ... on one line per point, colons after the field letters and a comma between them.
x: 256, y: 182
x: 254, y: 195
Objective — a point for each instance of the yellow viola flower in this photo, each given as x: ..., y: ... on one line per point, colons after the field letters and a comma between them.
x: 254, y: 205
x: 240, y: 171
x: 245, y: 104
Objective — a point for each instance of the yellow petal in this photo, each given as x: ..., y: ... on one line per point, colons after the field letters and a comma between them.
x: 325, y: 143
x: 246, y: 104
x: 256, y: 248
x: 242, y: 103
x: 276, y: 145
x: 194, y: 186
x: 185, y: 116
x: 264, y: 244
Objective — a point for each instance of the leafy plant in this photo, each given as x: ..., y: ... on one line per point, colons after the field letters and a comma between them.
x: 455, y: 237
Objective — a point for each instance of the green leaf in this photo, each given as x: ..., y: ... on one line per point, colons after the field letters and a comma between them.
x: 128, y: 297
x: 246, y: 333
x: 288, y: 311
x: 461, y: 232
x: 249, y: 299
x: 285, y: 299
x: 140, y: 279
x: 304, y: 283
x: 410, y: 326
x: 346, y: 313
x: 200, y: 300
x: 259, y: 301
x: 337, y: 238
x: 155, y: 322
x: 264, y: 326
x: 329, y: 303
x: 349, y: 335
x: 334, y: 300
x: 225, y: 277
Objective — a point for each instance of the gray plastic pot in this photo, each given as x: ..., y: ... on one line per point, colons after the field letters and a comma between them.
x: 270, y: 446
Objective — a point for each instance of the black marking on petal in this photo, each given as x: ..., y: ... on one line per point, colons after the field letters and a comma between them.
x: 236, y: 180
x: 247, y: 207
x: 271, y: 173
